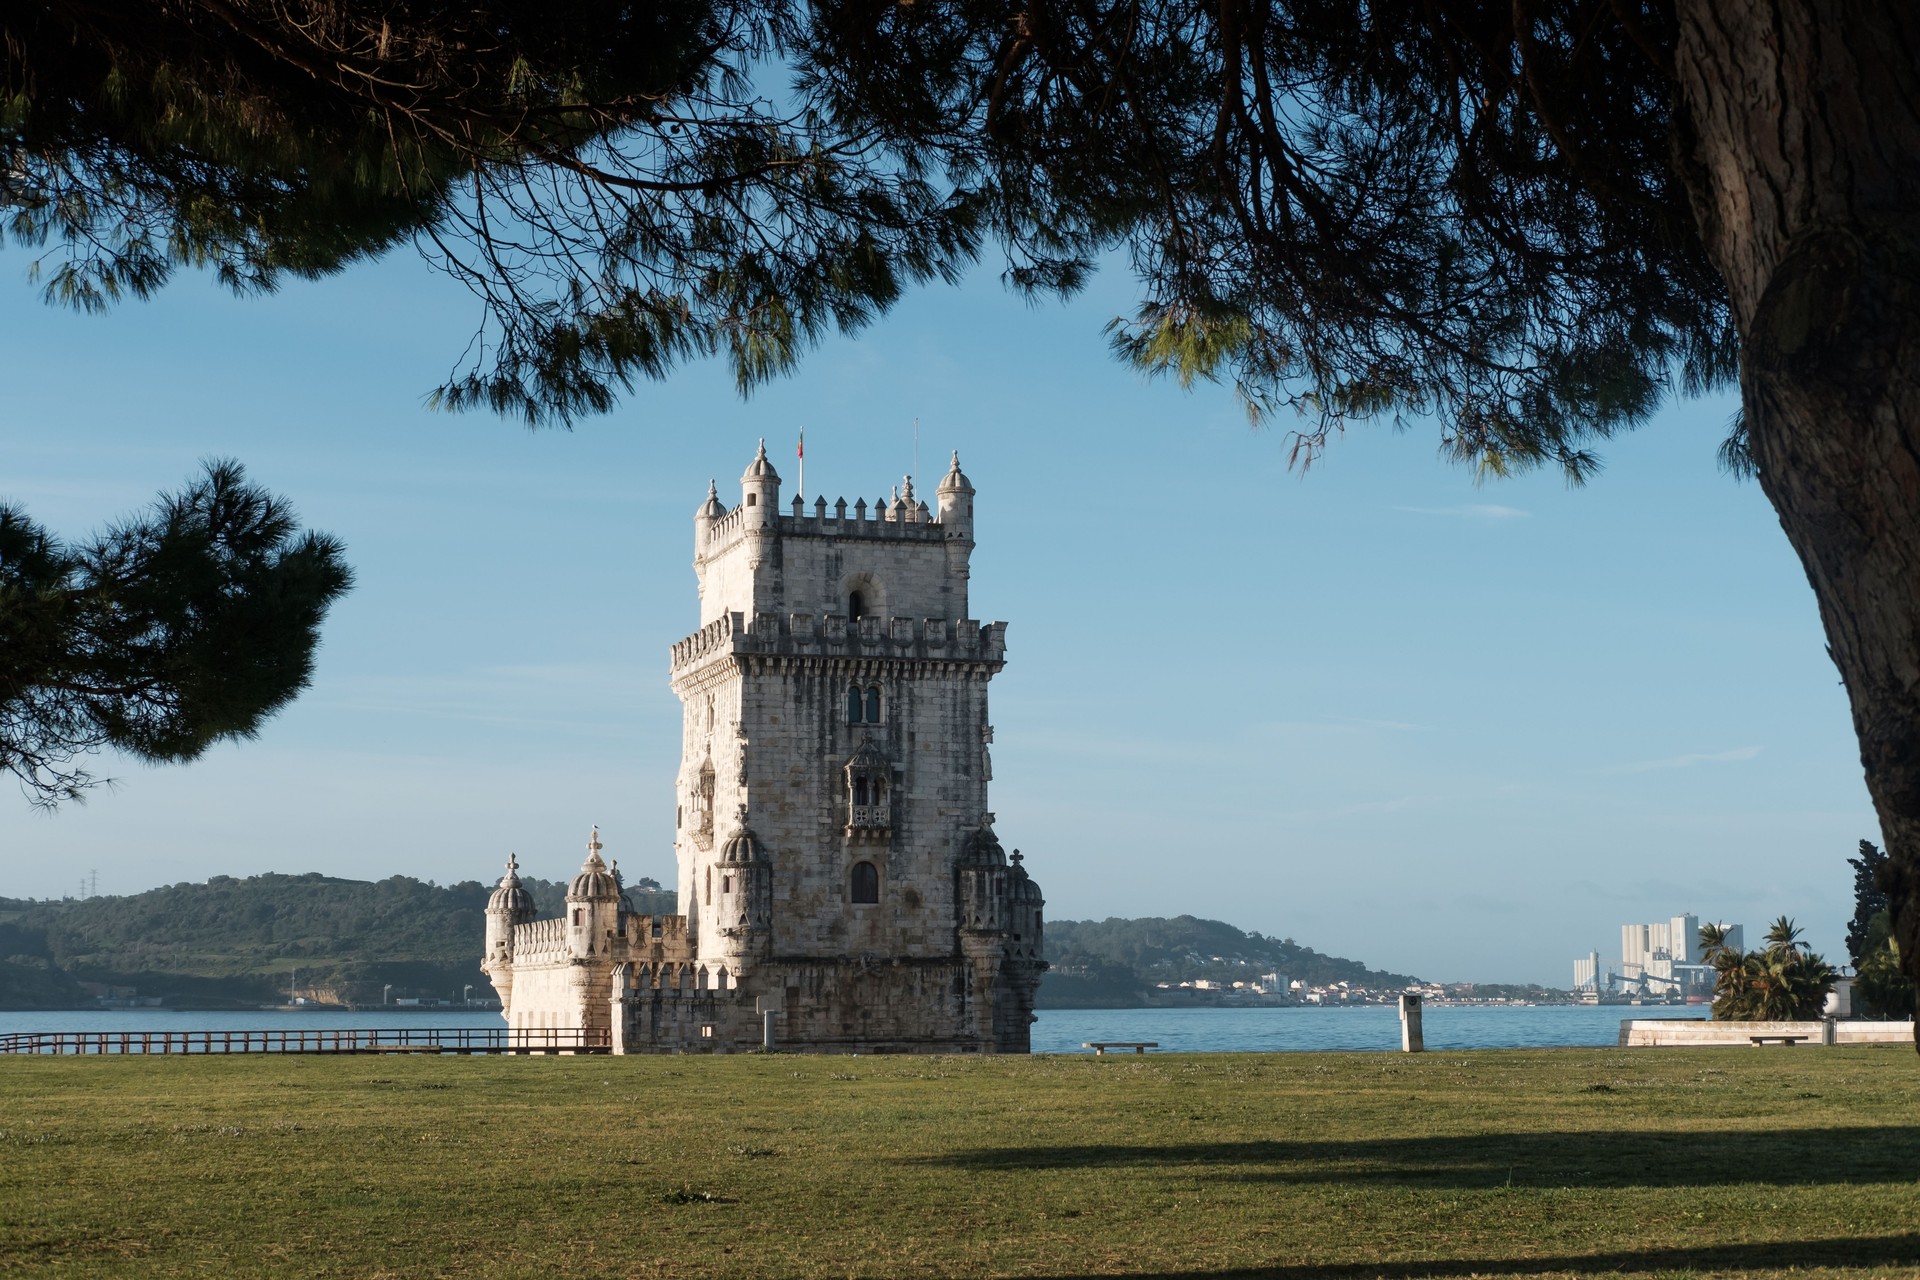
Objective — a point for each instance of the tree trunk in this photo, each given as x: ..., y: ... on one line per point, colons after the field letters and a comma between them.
x: 1798, y: 132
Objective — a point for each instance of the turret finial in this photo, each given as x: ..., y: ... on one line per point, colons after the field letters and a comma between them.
x: 593, y: 841
x: 513, y: 864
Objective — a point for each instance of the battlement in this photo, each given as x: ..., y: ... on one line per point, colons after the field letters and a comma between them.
x: 539, y: 939
x: 643, y: 935
x: 835, y: 635
x: 899, y: 521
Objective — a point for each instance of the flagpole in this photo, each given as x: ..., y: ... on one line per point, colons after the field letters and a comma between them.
x: 802, y: 451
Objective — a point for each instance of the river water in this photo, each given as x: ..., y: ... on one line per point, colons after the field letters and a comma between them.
x: 1057, y: 1031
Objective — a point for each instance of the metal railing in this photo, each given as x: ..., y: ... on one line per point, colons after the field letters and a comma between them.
x: 313, y: 1040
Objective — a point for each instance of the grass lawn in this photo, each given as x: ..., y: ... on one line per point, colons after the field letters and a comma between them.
x: 1670, y: 1163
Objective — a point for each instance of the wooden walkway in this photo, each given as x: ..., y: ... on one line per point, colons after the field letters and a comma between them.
x: 310, y: 1040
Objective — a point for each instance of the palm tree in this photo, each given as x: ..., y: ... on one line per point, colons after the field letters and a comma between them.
x: 1782, y: 983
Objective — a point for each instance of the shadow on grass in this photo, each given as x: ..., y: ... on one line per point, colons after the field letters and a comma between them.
x: 1778, y: 1157
x: 1882, y: 1251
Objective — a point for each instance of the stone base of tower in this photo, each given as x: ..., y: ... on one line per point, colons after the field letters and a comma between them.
x: 857, y: 1005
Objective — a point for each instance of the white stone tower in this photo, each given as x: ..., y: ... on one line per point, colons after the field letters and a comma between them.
x: 836, y: 712
x: 838, y: 869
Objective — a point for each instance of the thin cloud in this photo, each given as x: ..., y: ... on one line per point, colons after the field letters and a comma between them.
x: 1471, y: 511
x: 1688, y: 761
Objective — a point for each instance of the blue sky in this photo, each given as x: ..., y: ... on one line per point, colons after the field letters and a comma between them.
x: 1461, y: 731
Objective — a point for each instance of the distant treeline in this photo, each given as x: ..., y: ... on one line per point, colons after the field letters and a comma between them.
x: 1118, y: 963
x: 238, y: 941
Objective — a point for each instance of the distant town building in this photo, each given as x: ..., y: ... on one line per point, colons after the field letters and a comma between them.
x: 1661, y: 960
x: 1586, y: 974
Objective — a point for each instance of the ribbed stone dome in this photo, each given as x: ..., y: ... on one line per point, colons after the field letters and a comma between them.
x: 741, y: 846
x: 512, y: 897
x: 760, y: 468
x: 1021, y: 887
x: 595, y: 883
x: 956, y: 479
x: 983, y: 846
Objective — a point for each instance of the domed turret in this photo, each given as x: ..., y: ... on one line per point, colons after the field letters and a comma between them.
x: 712, y: 508
x: 983, y: 882
x: 743, y: 907
x: 1025, y: 908
x: 593, y: 903
x: 509, y: 907
x: 741, y: 846
x: 1021, y: 887
x: 596, y: 882
x: 512, y: 899
x: 955, y: 496
x: 955, y: 500
x: 760, y: 488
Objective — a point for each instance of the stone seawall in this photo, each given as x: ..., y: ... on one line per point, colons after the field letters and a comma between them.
x: 1680, y: 1033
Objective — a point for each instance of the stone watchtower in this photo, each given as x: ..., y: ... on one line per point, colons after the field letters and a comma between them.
x: 835, y: 848
x: 838, y: 868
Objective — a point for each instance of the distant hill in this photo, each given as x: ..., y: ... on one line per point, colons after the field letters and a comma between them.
x: 237, y: 941
x: 1117, y: 962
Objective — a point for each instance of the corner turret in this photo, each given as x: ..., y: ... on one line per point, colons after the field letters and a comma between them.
x: 509, y: 907
x: 955, y: 496
x: 743, y: 905
x: 593, y: 904
x: 760, y: 490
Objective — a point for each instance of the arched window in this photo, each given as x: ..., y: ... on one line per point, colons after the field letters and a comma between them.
x: 859, y: 790
x: 873, y: 705
x: 853, y: 704
x: 866, y: 882
x: 856, y: 605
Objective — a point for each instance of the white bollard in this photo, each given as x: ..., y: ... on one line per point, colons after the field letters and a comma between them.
x: 770, y: 1007
x: 1411, y: 1040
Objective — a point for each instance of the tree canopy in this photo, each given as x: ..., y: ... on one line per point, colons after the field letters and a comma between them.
x: 1526, y: 221
x: 613, y: 181
x: 165, y: 634
x: 1782, y: 981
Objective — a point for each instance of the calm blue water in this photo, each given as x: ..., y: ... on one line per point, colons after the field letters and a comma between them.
x: 1057, y: 1031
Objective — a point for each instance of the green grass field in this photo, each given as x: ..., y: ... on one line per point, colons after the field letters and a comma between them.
x: 1728, y: 1162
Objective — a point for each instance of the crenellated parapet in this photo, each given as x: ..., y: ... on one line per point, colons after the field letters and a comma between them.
x: 897, y: 521
x: 835, y: 635
x: 540, y: 941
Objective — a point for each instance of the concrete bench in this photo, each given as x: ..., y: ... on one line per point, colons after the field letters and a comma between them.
x: 1100, y: 1047
x: 1786, y: 1040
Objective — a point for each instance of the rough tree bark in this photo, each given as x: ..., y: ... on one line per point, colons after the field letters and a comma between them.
x: 1798, y: 131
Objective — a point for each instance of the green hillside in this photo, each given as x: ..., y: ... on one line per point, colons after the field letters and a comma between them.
x: 238, y: 941
x: 1116, y: 962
